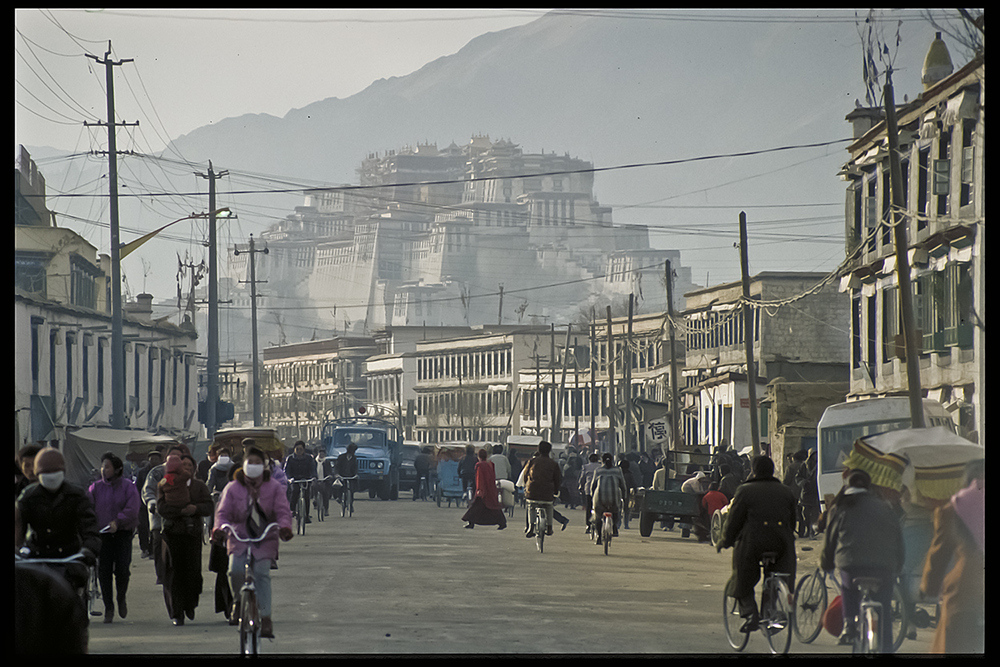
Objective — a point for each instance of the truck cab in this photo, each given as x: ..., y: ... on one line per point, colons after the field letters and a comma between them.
x: 379, y: 452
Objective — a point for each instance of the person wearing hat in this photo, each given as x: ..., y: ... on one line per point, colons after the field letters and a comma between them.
x: 608, y: 491
x: 761, y: 518
x: 697, y: 483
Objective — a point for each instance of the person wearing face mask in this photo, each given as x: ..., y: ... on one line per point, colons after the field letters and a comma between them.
x: 249, y: 503
x: 54, y: 518
x: 182, y: 534
x: 220, y: 474
x: 116, y: 502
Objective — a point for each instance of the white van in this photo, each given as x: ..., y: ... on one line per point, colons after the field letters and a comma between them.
x: 844, y: 423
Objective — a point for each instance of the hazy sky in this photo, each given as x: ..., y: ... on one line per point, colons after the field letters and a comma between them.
x: 194, y: 67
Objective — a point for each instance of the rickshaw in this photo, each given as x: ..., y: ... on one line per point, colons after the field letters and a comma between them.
x: 448, y: 486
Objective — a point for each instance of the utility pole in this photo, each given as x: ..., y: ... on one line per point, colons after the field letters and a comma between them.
x: 630, y: 439
x: 899, y: 224
x: 593, y: 377
x: 674, y: 411
x: 562, y: 387
x: 212, y: 371
x: 748, y: 332
x: 500, y: 310
x: 117, y: 417
x: 612, y: 394
x: 253, y: 329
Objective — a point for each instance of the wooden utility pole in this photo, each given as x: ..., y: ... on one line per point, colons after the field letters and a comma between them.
x: 212, y: 371
x: 593, y: 377
x: 748, y: 334
x: 557, y: 423
x: 500, y: 309
x: 899, y: 224
x: 674, y: 410
x: 630, y: 439
x: 117, y: 416
x: 612, y: 394
x: 253, y: 329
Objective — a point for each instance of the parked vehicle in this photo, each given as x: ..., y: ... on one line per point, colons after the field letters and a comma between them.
x: 379, y: 452
x: 844, y: 423
x: 407, y: 472
x: 671, y: 503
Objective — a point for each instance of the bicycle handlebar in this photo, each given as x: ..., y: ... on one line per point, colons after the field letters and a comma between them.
x: 78, y: 556
x: 232, y: 531
x: 302, y: 481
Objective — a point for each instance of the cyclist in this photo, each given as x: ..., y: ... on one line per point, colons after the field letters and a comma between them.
x: 863, y: 538
x: 347, y: 466
x: 542, y: 479
x: 608, y: 490
x: 55, y: 519
x: 422, y: 463
x: 299, y: 466
x: 761, y: 519
x: 249, y: 503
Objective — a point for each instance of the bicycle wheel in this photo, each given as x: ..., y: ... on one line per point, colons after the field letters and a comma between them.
x: 899, y: 616
x: 778, y: 622
x: 867, y: 640
x: 249, y: 624
x: 301, y: 519
x: 541, y: 525
x: 810, y: 604
x: 731, y: 620
x: 93, y: 593
x: 606, y: 532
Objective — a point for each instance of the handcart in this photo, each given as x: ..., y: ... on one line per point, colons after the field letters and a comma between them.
x: 448, y: 486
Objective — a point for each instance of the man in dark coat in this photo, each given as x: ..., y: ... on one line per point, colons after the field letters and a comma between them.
x: 761, y: 518
x: 299, y: 466
x: 542, y: 480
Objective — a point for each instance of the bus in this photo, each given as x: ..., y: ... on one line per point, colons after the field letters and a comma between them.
x: 842, y: 424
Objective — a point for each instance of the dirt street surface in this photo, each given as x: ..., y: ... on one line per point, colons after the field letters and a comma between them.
x: 406, y: 578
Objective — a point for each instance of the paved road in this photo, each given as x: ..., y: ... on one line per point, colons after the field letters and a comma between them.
x: 405, y: 577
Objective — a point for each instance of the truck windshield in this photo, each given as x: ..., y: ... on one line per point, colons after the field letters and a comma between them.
x: 363, y: 438
x: 836, y: 442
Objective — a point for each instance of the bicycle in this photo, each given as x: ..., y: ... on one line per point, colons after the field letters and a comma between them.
x: 541, y: 526
x: 422, y: 490
x: 776, y: 611
x: 810, y: 605
x: 319, y: 496
x: 868, y: 635
x: 249, y: 613
x: 88, y: 593
x: 603, y: 529
x: 302, y: 506
x: 347, y: 496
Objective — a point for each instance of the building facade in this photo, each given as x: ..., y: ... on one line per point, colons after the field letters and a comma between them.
x: 941, y: 145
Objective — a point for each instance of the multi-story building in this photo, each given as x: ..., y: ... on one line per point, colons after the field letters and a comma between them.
x: 440, y: 236
x: 798, y: 337
x: 62, y: 336
x: 303, y: 384
x: 941, y: 147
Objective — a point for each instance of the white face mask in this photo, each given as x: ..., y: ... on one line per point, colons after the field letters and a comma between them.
x: 253, y: 470
x: 51, y: 480
x: 224, y: 460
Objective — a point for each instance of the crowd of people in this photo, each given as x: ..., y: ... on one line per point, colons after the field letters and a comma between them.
x: 172, y: 502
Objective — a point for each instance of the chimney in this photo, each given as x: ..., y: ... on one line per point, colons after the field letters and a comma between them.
x: 142, y: 309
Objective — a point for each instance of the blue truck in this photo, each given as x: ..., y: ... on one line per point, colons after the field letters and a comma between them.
x: 379, y: 452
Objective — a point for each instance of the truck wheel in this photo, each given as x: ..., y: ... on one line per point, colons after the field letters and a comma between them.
x: 646, y: 524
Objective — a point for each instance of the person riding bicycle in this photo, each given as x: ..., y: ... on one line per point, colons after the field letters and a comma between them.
x: 347, y: 466
x: 54, y: 518
x: 542, y: 480
x: 863, y: 538
x: 608, y: 491
x: 299, y: 466
x: 249, y: 503
x: 761, y: 519
x: 422, y: 463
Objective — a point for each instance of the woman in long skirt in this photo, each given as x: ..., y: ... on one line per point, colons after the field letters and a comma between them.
x: 485, y: 509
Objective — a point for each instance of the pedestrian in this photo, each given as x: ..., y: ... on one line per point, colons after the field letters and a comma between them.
x: 182, y: 530
x: 863, y: 538
x: 116, y: 504
x: 467, y: 469
x: 249, y: 503
x: 501, y: 464
x: 485, y: 509
x: 586, y: 478
x: 153, y: 459
x: 729, y: 482
x: 711, y: 502
x: 808, y: 487
x: 219, y: 475
x: 959, y: 544
x: 628, y: 472
x: 24, y: 473
x: 148, y: 493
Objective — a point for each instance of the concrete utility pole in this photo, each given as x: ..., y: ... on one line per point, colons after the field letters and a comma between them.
x: 212, y: 370
x: 899, y: 223
x: 674, y: 411
x: 117, y: 417
x: 630, y: 439
x: 593, y: 377
x: 612, y: 394
x: 253, y: 329
x: 748, y: 332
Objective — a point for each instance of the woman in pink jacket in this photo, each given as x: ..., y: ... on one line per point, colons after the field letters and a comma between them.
x: 253, y: 496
